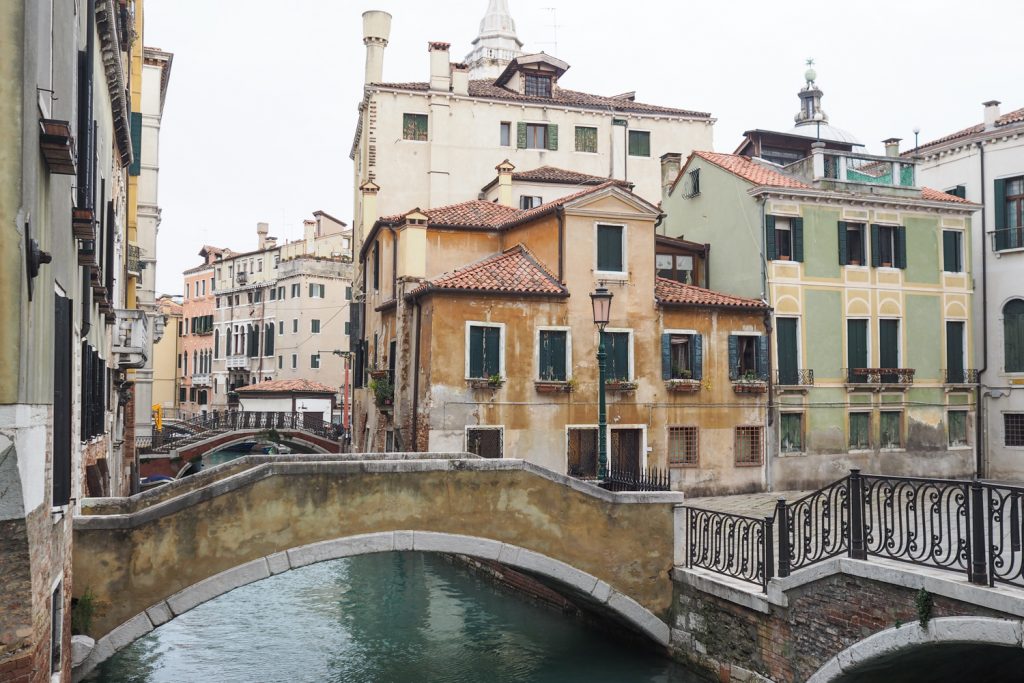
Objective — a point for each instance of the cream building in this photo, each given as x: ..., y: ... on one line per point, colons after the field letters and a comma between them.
x: 165, y: 359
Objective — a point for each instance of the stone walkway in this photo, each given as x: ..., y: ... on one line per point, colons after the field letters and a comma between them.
x: 749, y: 504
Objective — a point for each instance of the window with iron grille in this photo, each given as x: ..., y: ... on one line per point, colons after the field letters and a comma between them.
x: 414, y: 127
x: 538, y: 86
x: 586, y: 139
x: 682, y: 446
x: 749, y: 445
x: 1013, y: 429
x: 791, y: 432
x: 484, y: 441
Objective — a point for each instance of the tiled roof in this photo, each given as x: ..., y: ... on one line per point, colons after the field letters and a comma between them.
x: 671, y: 292
x: 486, y: 89
x: 287, y: 385
x: 551, y: 174
x: 750, y: 170
x: 472, y: 214
x: 514, y: 271
x: 1006, y: 119
x: 938, y: 196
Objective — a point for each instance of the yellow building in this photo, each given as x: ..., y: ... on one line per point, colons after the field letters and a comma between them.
x: 165, y: 359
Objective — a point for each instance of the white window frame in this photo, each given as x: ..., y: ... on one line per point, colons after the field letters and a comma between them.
x: 501, y: 343
x: 613, y: 274
x: 632, y: 338
x: 547, y: 132
x: 963, y: 254
x: 596, y: 128
x: 465, y: 437
x: 401, y: 128
x: 680, y: 333
x: 643, y: 440
x: 650, y: 141
x: 536, y: 349
x: 314, y: 361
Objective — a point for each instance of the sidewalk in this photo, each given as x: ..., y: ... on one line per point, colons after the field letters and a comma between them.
x: 749, y: 504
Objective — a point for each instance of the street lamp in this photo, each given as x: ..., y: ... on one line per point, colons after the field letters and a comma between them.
x: 601, y: 300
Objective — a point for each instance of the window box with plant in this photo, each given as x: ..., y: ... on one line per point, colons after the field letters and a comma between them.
x: 749, y: 383
x: 748, y: 363
x: 492, y: 382
x: 620, y: 385
x: 544, y: 386
x: 383, y: 393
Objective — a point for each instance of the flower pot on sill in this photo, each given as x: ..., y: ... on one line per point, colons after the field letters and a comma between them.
x: 750, y: 387
x: 552, y: 387
x: 620, y: 386
x: 683, y: 385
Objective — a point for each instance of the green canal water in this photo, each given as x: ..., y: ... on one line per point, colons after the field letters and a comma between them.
x: 391, y: 617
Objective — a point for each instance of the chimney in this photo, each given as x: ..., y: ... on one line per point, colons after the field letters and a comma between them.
x: 261, y: 231
x: 991, y: 113
x: 892, y: 146
x: 309, y: 234
x: 368, y: 190
x: 376, y: 31
x: 670, y: 164
x: 505, y: 169
x: 460, y: 79
x: 440, y: 67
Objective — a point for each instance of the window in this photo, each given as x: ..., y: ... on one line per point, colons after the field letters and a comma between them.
x: 376, y: 265
x: 56, y: 627
x: 786, y: 336
x: 188, y: 290
x: 1013, y: 429
x: 552, y: 355
x: 890, y: 429
x: 213, y: 284
x: 784, y: 238
x: 616, y: 349
x: 348, y: 294
x: 791, y: 432
x: 957, y: 428
x: 955, y: 352
x: 314, y: 326
x: 681, y: 356
x: 181, y: 395
x: 280, y: 362
x: 280, y: 293
x: 280, y: 327
x: 277, y: 259
x: 748, y: 445
x: 536, y: 136
x: 506, y: 134
x: 529, y: 202
x: 414, y: 127
x: 682, y: 446
x: 179, y: 361
x: 958, y: 191
x: 851, y: 244
x: 1009, y: 205
x: 856, y: 348
x: 694, y: 183
x: 639, y: 143
x: 295, y: 325
x: 860, y: 426
x: 888, y: 246
x: 586, y: 139
x: 748, y: 357
x: 610, y: 248
x: 952, y: 251
x: 484, y: 351
x: 347, y: 327
x: 295, y: 361
x: 1013, y: 336
x: 314, y: 361
x: 678, y: 267
x: 317, y: 291
x: 296, y: 290
x: 485, y: 442
x: 581, y: 452
x: 889, y: 347
x: 537, y: 85
x: 259, y: 266
x: 203, y: 283
x: 273, y: 294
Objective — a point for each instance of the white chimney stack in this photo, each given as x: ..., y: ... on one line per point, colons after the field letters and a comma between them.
x: 376, y: 31
x: 991, y: 113
x: 262, y: 230
x: 440, y: 66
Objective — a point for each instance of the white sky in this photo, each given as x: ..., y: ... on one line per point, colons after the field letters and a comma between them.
x: 261, y: 106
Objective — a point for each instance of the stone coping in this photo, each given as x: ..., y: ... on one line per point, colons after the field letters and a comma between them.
x: 1006, y: 599
x: 124, y: 513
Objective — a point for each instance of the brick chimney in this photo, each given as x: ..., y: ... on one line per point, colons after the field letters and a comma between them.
x: 505, y: 169
x: 991, y: 113
x: 440, y: 66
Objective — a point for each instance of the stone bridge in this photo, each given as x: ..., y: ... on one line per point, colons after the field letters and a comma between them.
x: 158, y: 554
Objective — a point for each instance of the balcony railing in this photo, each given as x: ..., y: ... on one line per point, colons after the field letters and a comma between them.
x: 867, y: 169
x: 202, y: 380
x: 1008, y: 238
x: 131, y: 338
x: 960, y: 376
x: 237, y: 362
x: 879, y: 376
x: 795, y: 378
x: 132, y: 259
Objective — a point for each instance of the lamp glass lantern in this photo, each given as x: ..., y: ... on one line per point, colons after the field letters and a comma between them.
x: 601, y: 300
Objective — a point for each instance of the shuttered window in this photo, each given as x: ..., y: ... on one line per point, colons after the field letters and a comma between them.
x: 952, y: 251
x: 856, y: 347
x: 859, y: 431
x: 610, y: 248
x: 586, y: 139
x: 788, y: 358
x: 616, y: 349
x: 682, y: 356
x: 268, y: 341
x: 581, y: 452
x: 955, y: 352
x: 551, y: 355
x: 61, y: 400
x: 1013, y: 335
x: 888, y: 246
x: 484, y: 351
x: 748, y: 357
x: 957, y: 428
x: 639, y: 143
x: 890, y: 429
x: 791, y: 432
x: 537, y: 136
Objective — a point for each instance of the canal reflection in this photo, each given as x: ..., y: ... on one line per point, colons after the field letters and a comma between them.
x: 390, y: 617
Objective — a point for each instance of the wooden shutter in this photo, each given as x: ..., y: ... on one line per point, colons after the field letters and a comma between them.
x: 769, y: 238
x: 955, y: 351
x: 1013, y: 336
x: 950, y: 252
x: 1000, y: 203
x: 552, y: 355
x: 476, y: 351
x: 552, y: 136
x: 521, y: 135
x: 762, y: 357
x: 84, y: 428
x: 136, y: 135
x: 61, y: 400
x: 216, y: 345
x: 900, y: 257
x: 666, y: 356
x: 492, y: 351
x: 609, y: 248
x: 888, y: 343
x: 796, y: 226
x: 856, y: 344
x: 843, y: 258
x: 697, y: 351
x: 876, y: 251
x: 734, y: 357
x: 785, y: 334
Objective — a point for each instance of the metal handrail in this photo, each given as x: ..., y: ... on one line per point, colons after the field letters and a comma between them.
x: 733, y: 545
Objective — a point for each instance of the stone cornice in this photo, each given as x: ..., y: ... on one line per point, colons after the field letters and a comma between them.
x: 110, y: 51
x: 836, y: 198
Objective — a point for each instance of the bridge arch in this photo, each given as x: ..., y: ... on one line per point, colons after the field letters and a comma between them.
x: 289, y: 437
x: 904, y: 639
x: 585, y: 588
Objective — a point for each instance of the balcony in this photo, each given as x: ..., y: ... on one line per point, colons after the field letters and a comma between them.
x: 878, y: 378
x: 833, y: 168
x: 132, y: 259
x: 960, y: 377
x: 1008, y: 238
x: 795, y: 379
x: 131, y: 338
x: 201, y: 380
x: 237, y: 362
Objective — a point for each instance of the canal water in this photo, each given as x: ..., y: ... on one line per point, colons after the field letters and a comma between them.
x: 388, y: 618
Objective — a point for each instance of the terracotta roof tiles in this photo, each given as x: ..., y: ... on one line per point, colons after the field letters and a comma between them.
x: 1006, y: 119
x: 514, y: 271
x: 288, y: 385
x: 750, y: 170
x: 552, y: 174
x: 939, y: 196
x: 671, y: 292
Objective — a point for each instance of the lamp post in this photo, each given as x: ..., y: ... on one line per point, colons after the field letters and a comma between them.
x: 601, y: 300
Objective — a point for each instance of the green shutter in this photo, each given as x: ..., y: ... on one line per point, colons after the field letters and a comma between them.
x: 521, y: 135
x: 949, y: 252
x: 785, y: 334
x: 876, y: 252
x: 769, y: 238
x: 734, y: 357
x: 557, y: 350
x: 697, y: 349
x: 1002, y: 238
x: 609, y: 248
x: 888, y: 343
x: 136, y: 134
x: 476, y: 351
x: 492, y: 351
x: 843, y: 260
x: 901, y: 247
x: 762, y: 358
x: 216, y: 345
x: 552, y: 136
x: 797, y: 228
x: 856, y: 344
x: 666, y: 356
x: 622, y: 355
x: 1013, y: 336
x: 955, y: 351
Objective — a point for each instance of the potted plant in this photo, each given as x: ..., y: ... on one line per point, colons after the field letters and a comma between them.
x: 554, y: 386
x: 383, y: 393
x: 495, y: 381
x: 616, y: 384
x: 749, y: 383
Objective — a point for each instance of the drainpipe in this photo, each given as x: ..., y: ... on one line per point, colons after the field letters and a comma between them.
x: 560, y: 215
x: 769, y: 419
x: 707, y: 265
x: 394, y: 263
x: 416, y: 378
x: 979, y: 436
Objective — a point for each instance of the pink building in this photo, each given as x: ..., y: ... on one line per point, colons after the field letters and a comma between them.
x: 195, y: 361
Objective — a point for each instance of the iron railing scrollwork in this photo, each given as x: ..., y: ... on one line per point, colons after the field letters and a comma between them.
x: 799, y: 377
x: 962, y: 376
x: 737, y: 546
x: 814, y: 528
x: 186, y: 432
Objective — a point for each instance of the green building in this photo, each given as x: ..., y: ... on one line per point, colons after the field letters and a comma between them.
x: 869, y: 279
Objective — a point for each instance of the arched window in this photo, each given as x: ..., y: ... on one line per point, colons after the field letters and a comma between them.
x: 1013, y: 335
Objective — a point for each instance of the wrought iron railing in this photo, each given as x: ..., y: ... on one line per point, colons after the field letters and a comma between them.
x: 879, y: 375
x: 733, y: 545
x: 814, y: 528
x: 795, y: 378
x: 626, y: 479
x: 1008, y: 238
x: 1006, y: 560
x: 960, y: 376
x: 215, y: 422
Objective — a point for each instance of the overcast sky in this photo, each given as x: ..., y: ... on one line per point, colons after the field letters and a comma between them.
x: 261, y: 106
